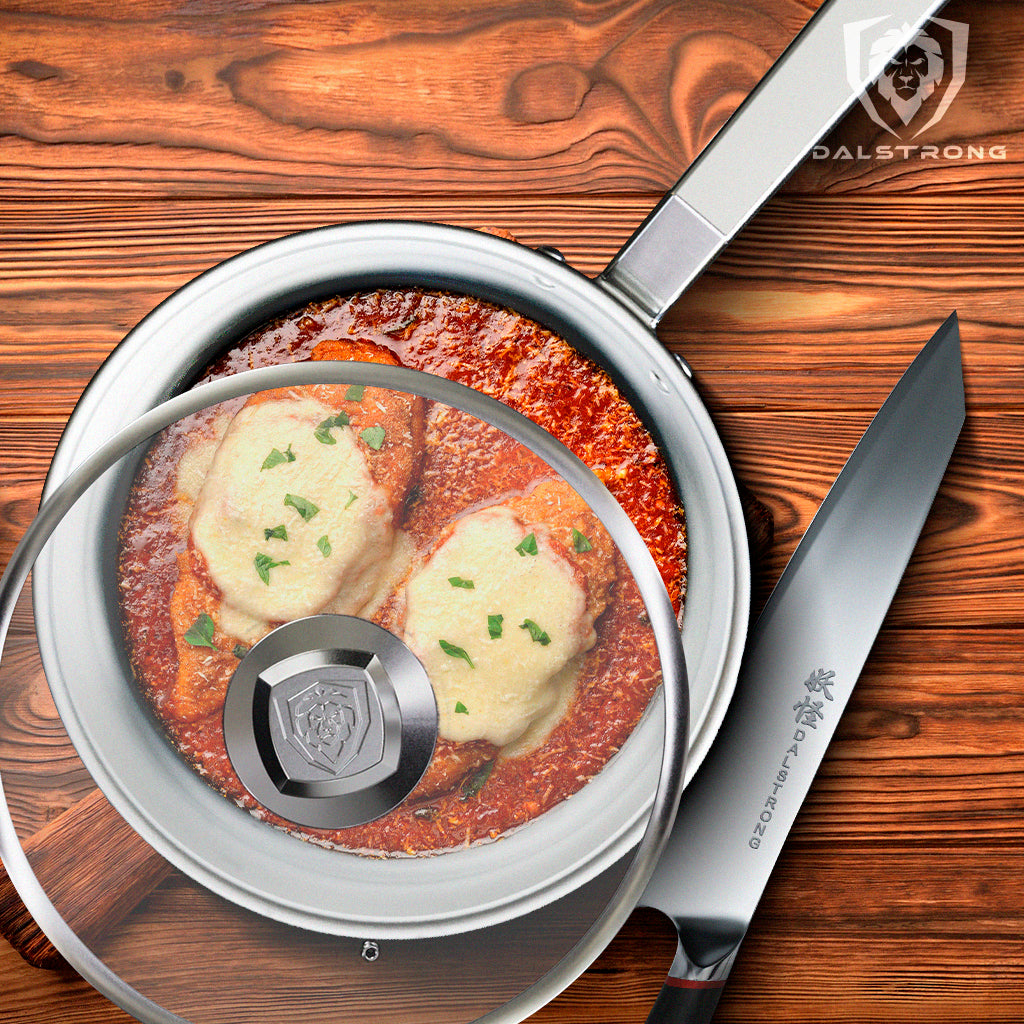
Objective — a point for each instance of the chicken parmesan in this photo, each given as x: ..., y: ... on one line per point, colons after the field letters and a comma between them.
x: 425, y: 520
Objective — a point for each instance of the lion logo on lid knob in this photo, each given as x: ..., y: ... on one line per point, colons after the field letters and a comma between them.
x: 329, y: 722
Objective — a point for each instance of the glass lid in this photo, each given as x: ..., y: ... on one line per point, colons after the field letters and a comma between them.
x: 335, y: 686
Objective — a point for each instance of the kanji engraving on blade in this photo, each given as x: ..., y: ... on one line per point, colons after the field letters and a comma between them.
x: 808, y: 712
x: 821, y: 682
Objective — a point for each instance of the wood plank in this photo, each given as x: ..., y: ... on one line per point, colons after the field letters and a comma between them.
x: 930, y: 748
x: 345, y: 97
x: 815, y: 303
x: 32, y: 996
x: 975, y: 147
x: 966, y: 569
x: 588, y: 99
x: 908, y: 946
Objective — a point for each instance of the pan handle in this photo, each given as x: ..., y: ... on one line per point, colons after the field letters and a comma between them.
x: 757, y: 149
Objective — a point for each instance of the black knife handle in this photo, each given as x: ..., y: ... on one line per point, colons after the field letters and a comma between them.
x: 686, y: 1002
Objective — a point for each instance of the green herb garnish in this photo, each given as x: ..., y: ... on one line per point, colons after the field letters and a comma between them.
x: 352, y: 496
x: 476, y: 781
x: 275, y: 533
x: 264, y: 563
x: 276, y: 457
x: 536, y: 633
x: 303, y: 506
x: 324, y: 545
x: 355, y: 393
x: 323, y: 431
x: 240, y: 651
x: 528, y: 545
x: 494, y: 625
x: 579, y: 542
x: 373, y: 436
x: 460, y: 708
x: 200, y: 633
x: 456, y: 652
x: 460, y: 583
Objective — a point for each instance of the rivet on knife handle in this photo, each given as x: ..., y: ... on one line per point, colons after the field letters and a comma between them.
x: 804, y: 657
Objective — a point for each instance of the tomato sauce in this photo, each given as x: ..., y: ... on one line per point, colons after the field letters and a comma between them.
x: 509, y: 357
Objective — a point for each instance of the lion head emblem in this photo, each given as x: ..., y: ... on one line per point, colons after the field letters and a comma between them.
x: 909, y: 77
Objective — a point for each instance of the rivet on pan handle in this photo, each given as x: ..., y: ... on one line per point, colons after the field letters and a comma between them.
x: 753, y: 154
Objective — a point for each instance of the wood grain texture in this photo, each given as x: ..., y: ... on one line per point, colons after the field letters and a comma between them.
x: 296, y: 97
x: 816, y: 294
x: 142, y: 143
x: 288, y: 98
x: 72, y: 856
x: 975, y: 148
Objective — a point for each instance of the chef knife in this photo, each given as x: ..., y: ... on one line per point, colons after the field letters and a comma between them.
x: 803, y: 658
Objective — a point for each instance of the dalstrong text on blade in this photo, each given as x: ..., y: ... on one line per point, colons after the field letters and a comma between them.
x: 809, y: 712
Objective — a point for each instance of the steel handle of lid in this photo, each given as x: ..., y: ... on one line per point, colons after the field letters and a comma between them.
x: 804, y: 94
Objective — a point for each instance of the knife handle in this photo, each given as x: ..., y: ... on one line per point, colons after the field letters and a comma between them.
x: 686, y: 1002
x: 704, y: 958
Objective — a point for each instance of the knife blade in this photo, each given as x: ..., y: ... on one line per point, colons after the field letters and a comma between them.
x: 803, y: 657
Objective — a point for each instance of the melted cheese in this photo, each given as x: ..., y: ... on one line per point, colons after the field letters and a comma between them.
x: 500, y: 689
x: 267, y: 579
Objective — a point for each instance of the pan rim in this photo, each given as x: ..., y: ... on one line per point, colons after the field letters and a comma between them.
x: 548, y: 282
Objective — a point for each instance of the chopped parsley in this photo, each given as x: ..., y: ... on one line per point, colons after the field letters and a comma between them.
x: 472, y: 786
x: 528, y: 545
x: 374, y: 437
x: 352, y: 496
x: 275, y: 533
x: 303, y: 506
x: 200, y: 633
x: 536, y: 633
x: 276, y: 457
x: 494, y: 626
x: 460, y: 708
x: 579, y: 542
x: 456, y: 652
x: 323, y: 431
x: 324, y: 545
x: 355, y: 393
x: 264, y: 563
x: 460, y: 583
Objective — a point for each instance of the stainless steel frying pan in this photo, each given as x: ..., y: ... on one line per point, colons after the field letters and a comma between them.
x: 611, y: 321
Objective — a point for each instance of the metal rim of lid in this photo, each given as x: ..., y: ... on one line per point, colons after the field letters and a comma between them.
x: 641, y: 563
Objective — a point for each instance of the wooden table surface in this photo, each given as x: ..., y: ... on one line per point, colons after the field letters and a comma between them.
x: 142, y: 142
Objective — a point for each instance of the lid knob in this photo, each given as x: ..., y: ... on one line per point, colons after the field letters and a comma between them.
x: 330, y: 721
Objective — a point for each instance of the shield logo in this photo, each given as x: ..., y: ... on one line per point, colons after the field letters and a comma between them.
x: 930, y: 63
x: 329, y: 721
